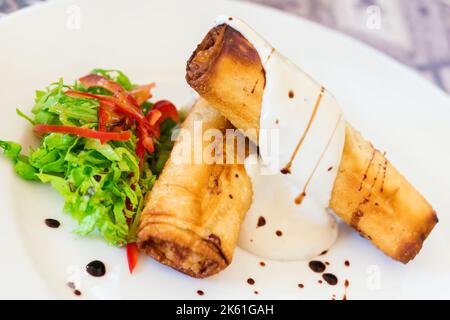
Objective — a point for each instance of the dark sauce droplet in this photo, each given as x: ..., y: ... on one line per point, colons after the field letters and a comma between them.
x: 230, y: 18
x: 200, y: 292
x: 330, y: 278
x: 301, y: 285
x: 262, y: 264
x: 77, y: 292
x: 279, y: 233
x: 327, y: 263
x: 256, y: 292
x: 96, y: 268
x: 52, y: 223
x: 71, y: 285
x: 298, y: 201
x: 323, y: 253
x: 330, y: 168
x: 347, y: 263
x: 250, y: 281
x: 320, y: 281
x: 317, y: 266
x: 261, y: 222
x: 291, y: 94
x: 346, y: 285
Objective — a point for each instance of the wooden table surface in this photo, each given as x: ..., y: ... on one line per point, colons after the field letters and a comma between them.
x: 415, y: 32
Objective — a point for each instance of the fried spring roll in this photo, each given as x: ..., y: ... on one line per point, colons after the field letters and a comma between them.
x: 192, y: 218
x: 369, y: 193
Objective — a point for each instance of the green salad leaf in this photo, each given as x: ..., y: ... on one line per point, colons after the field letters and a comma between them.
x: 101, y: 183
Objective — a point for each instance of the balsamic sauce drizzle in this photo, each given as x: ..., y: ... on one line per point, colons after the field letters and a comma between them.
x: 358, y: 213
x: 367, y: 169
x: 287, y: 168
x: 263, y: 69
x: 302, y: 195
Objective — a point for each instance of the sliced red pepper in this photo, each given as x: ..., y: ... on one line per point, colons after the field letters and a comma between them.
x: 132, y: 256
x: 168, y: 111
x: 140, y: 152
x: 161, y: 111
x: 103, y: 118
x: 86, y: 95
x: 83, y: 132
x: 146, y: 139
x: 95, y: 80
x: 144, y: 133
x: 142, y: 93
x: 125, y: 108
x: 111, y: 119
x: 129, y: 104
x: 154, y: 116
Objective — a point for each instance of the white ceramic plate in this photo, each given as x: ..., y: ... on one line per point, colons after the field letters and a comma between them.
x: 151, y: 41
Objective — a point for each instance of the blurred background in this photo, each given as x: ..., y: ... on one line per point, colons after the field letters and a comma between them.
x: 414, y: 32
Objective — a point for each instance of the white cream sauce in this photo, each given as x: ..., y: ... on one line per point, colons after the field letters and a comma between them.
x: 307, y: 148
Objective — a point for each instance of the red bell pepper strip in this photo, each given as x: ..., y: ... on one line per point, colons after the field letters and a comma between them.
x: 95, y: 80
x: 143, y: 132
x: 140, y: 152
x: 142, y: 93
x: 103, y: 118
x: 123, y: 107
x: 146, y: 139
x: 111, y: 119
x: 82, y: 132
x: 168, y: 111
x: 161, y: 111
x: 132, y: 256
x: 153, y: 116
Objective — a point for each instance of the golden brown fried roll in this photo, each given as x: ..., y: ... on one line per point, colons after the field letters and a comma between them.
x: 369, y: 193
x: 193, y: 214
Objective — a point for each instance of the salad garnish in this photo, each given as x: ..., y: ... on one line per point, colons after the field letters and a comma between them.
x: 103, y: 143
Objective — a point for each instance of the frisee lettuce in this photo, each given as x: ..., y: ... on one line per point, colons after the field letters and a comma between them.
x: 101, y: 184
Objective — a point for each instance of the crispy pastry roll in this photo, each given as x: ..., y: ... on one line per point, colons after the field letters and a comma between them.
x: 369, y: 193
x: 193, y: 214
